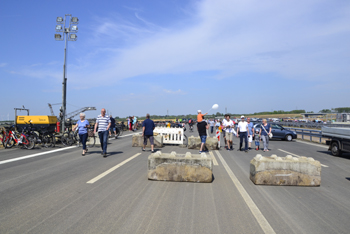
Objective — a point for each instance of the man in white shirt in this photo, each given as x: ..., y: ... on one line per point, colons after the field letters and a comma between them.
x: 228, y: 127
x: 243, y: 133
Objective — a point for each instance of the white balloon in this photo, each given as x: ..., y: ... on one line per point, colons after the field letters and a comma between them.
x: 215, y: 106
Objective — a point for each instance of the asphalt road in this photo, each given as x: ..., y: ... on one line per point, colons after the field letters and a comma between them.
x: 50, y: 193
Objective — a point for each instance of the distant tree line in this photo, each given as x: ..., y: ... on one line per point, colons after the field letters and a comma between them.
x: 336, y: 110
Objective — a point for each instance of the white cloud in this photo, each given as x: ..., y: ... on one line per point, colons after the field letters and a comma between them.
x: 292, y: 40
x: 179, y: 91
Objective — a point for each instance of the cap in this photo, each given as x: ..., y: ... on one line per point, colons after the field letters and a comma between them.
x: 242, y: 117
x: 199, y: 111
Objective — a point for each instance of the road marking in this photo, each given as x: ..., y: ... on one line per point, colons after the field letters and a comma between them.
x: 112, y: 169
x: 214, y: 159
x: 297, y: 156
x: 322, y: 146
x: 264, y: 224
x: 35, y: 155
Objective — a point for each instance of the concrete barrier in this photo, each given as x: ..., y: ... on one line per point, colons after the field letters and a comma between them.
x: 137, y: 141
x: 211, y: 143
x: 180, y: 167
x: 288, y: 170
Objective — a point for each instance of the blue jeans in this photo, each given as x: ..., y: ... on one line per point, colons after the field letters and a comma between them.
x: 83, y: 138
x: 103, y: 140
x: 203, y: 139
x: 243, y: 135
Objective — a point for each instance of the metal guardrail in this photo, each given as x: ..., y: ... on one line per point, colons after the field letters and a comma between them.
x: 308, y: 132
x: 312, y: 125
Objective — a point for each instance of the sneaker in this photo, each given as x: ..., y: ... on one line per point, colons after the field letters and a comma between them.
x: 143, y: 149
x: 228, y: 149
x: 246, y: 151
x: 105, y: 155
x: 152, y: 151
x: 239, y: 150
x: 200, y: 152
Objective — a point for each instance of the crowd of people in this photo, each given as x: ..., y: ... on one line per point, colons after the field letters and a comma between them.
x: 244, y: 131
x: 106, y: 125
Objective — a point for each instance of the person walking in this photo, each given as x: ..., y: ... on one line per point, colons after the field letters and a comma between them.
x: 130, y: 123
x: 202, y: 128
x: 243, y: 133
x: 265, y: 131
x: 134, y: 123
x: 147, y: 132
x: 251, y: 133
x: 212, y: 123
x: 229, y: 131
x: 82, y: 126
x: 103, y: 123
x: 257, y: 140
x: 112, y: 128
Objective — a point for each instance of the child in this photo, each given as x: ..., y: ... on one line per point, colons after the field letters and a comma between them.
x: 257, y: 140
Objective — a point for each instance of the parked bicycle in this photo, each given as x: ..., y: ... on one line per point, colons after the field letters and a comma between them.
x: 46, y: 138
x: 27, y: 138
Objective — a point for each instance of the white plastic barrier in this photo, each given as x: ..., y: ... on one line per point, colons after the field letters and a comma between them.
x: 171, y: 135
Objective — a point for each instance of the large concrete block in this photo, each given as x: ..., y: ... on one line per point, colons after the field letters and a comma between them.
x: 180, y: 167
x: 137, y: 141
x: 211, y: 143
x: 288, y: 170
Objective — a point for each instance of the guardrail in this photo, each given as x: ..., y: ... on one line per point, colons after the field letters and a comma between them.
x: 308, y: 132
x: 312, y: 125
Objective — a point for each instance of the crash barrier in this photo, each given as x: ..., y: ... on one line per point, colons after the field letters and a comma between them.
x: 287, y: 170
x: 308, y: 133
x: 138, y: 140
x: 210, y: 144
x: 311, y: 125
x: 171, y: 135
x: 180, y: 167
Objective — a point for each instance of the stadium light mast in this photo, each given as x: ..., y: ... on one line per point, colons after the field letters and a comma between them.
x: 67, y: 34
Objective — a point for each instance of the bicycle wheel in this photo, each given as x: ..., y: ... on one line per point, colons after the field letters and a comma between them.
x: 90, y: 142
x: 65, y: 140
x: 117, y: 133
x: 185, y: 140
x: 31, y: 142
x: 9, y: 142
x: 47, y: 141
x: 121, y: 131
x: 53, y: 140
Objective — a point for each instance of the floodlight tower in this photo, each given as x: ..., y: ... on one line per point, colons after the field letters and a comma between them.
x: 67, y: 34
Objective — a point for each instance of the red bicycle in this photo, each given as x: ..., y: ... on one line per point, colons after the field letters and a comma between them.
x: 27, y: 139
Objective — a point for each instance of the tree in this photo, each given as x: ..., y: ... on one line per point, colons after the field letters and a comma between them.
x: 342, y: 109
x: 325, y: 111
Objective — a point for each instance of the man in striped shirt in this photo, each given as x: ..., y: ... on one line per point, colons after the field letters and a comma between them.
x: 103, y: 123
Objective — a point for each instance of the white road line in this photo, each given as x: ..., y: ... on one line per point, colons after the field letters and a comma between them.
x: 264, y: 224
x: 112, y: 169
x: 297, y: 156
x: 35, y: 155
x: 214, y: 159
x: 322, y: 146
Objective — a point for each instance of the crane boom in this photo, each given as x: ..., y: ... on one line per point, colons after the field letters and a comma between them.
x: 75, y: 113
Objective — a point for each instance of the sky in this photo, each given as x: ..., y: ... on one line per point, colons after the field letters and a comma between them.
x: 136, y: 57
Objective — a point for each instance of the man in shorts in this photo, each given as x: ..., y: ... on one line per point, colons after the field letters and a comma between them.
x: 229, y: 131
x: 147, y: 132
x: 202, y: 130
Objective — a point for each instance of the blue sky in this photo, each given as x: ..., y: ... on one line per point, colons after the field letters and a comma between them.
x: 136, y: 57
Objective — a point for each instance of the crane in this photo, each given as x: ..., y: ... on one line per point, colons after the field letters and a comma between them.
x: 77, y: 112
x: 50, y: 106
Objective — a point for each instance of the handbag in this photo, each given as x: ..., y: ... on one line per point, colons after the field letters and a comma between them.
x: 270, y: 135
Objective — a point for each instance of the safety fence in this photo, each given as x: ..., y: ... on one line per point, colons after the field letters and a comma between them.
x: 171, y: 135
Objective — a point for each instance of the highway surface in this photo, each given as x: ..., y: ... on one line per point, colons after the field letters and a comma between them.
x: 45, y: 191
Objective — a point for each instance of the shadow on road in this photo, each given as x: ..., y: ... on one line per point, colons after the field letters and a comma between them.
x: 344, y: 155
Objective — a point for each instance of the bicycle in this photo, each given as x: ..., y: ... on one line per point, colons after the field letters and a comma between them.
x: 3, y: 135
x: 27, y: 138
x: 46, y: 138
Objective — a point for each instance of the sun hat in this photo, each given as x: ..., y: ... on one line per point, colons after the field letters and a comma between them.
x: 199, y: 111
x: 242, y: 117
